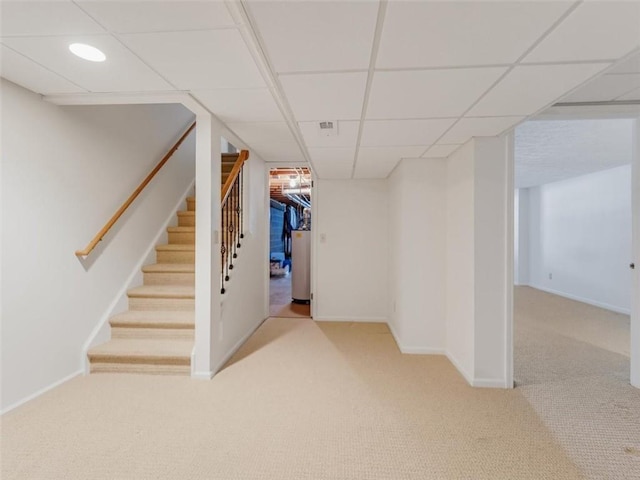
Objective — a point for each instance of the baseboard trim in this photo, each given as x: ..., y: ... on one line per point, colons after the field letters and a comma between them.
x: 351, y: 319
x: 202, y: 375
x: 42, y: 391
x: 235, y: 348
x: 413, y: 350
x: 595, y: 303
x: 490, y: 383
x: 461, y: 370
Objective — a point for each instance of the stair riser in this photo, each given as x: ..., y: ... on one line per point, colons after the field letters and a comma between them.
x: 186, y: 220
x: 182, y: 238
x: 191, y: 205
x: 164, y: 256
x: 145, y: 333
x: 169, y: 279
x: 103, y: 367
x: 155, y: 304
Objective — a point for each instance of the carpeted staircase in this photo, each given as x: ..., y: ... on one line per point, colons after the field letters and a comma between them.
x: 156, y: 334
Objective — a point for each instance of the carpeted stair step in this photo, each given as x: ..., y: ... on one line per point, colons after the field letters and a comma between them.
x: 156, y: 356
x: 153, y: 324
x: 191, y: 204
x: 187, y: 218
x: 162, y: 297
x: 176, y: 253
x: 183, y: 235
x: 169, y: 274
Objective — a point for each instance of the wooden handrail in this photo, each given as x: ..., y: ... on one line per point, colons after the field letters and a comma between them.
x: 103, y: 231
x: 235, y: 171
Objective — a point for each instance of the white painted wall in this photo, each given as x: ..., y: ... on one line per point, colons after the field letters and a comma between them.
x: 493, y: 194
x: 242, y: 309
x: 417, y: 190
x: 521, y: 237
x: 478, y: 278
x: 65, y: 170
x: 460, y: 256
x: 351, y: 261
x: 580, y: 234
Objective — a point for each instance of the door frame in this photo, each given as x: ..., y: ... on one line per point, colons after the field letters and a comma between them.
x: 267, y: 226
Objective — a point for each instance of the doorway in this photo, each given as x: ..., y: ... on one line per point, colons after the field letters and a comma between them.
x: 290, y: 241
x: 572, y: 246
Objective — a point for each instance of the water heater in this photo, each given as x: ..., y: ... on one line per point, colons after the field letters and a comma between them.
x: 301, y: 266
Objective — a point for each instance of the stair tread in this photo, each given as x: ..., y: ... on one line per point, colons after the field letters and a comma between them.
x: 188, y: 229
x: 144, y: 348
x: 187, y: 213
x: 163, y: 291
x: 177, y: 247
x: 154, y: 319
x: 169, y: 268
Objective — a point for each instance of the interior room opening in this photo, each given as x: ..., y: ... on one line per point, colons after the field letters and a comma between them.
x: 290, y: 239
x: 572, y: 250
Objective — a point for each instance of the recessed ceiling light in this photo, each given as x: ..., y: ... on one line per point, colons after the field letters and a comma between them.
x: 87, y: 52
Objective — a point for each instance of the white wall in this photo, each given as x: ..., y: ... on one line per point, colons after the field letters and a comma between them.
x: 478, y: 200
x: 417, y: 190
x: 580, y: 235
x: 243, y: 304
x: 65, y: 170
x: 521, y: 237
x: 460, y: 278
x: 351, y: 261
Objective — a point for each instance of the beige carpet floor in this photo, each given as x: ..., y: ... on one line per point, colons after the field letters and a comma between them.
x: 306, y: 400
x: 571, y: 363
x: 280, y: 304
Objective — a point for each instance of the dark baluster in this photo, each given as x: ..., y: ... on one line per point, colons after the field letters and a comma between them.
x: 241, y: 204
x: 223, y: 249
x: 226, y: 233
x: 232, y: 237
x: 234, y: 190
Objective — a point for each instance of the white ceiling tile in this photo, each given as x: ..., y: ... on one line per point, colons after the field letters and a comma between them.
x: 317, y: 36
x: 22, y: 71
x: 425, y: 34
x: 440, y: 151
x: 121, y: 72
x: 199, y: 60
x: 634, y: 95
x: 45, y: 18
x: 278, y: 152
x: 605, y: 88
x: 329, y: 96
x: 428, y: 93
x: 263, y: 132
x: 478, y: 127
x: 332, y: 162
x: 526, y: 89
x: 240, y: 105
x: 378, y: 162
x: 631, y: 65
x: 403, y: 132
x: 594, y: 31
x: 347, y: 135
x: 549, y: 151
x: 146, y: 16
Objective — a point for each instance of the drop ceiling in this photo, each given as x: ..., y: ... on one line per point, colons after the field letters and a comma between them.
x: 401, y: 79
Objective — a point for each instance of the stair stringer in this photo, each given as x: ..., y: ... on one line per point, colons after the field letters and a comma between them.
x: 102, y: 331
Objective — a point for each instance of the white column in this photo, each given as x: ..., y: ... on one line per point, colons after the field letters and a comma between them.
x: 207, y: 313
x: 493, y: 261
x: 635, y: 282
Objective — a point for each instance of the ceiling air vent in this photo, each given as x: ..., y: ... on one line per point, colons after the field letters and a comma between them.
x: 328, y: 128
